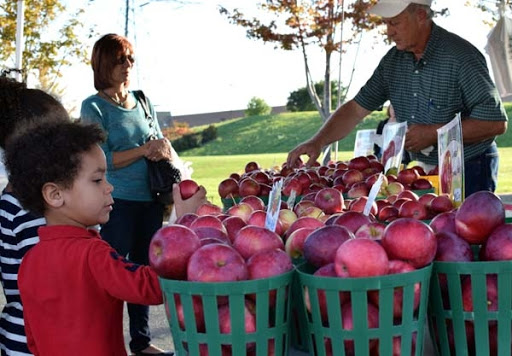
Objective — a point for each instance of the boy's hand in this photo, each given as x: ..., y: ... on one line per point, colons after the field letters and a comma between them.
x: 191, y: 204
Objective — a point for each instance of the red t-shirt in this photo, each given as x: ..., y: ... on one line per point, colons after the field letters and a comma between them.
x: 72, y: 286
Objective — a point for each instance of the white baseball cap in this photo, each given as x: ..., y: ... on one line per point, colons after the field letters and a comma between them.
x: 392, y: 8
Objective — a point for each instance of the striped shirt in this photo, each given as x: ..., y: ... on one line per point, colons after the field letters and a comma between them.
x: 18, y: 233
x: 451, y: 77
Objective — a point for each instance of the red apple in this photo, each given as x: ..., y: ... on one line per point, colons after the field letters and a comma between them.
x: 452, y: 248
x: 358, y: 205
x: 373, y: 230
x: 498, y: 246
x: 321, y: 245
x: 188, y: 188
x: 197, y: 306
x: 255, y: 202
x: 208, y: 221
x: 352, y: 220
x: 216, y: 263
x: 252, y: 166
x: 186, y: 219
x: 265, y: 190
x: 358, y: 189
x: 253, y: 239
x: 248, y: 186
x: 388, y: 213
x: 233, y: 224
x: 408, y: 194
x: 292, y: 184
x: 425, y: 199
x: 305, y: 221
x: 206, y: 232
x: 235, y: 176
x: 478, y: 215
x: 361, y: 258
x: 228, y: 188
x: 491, y: 282
x: 352, y: 176
x: 242, y: 210
x: 441, y: 204
x: 260, y: 177
x: 393, y: 188
x: 208, y: 209
x: 329, y: 200
x: 410, y: 240
x: 443, y: 222
x: 302, y: 205
x: 407, y: 176
x: 360, y: 163
x: 421, y: 184
x: 413, y: 209
x: 249, y: 319
x: 294, y: 245
x: 286, y: 217
x: 170, y: 249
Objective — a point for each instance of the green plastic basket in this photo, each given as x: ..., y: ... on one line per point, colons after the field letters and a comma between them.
x: 298, y: 322
x: 409, y: 329
x: 203, y: 336
x: 456, y: 331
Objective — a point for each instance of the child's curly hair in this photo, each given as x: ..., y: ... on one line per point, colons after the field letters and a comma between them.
x: 47, y: 152
x: 20, y: 105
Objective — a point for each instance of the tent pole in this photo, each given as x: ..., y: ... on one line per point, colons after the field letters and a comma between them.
x: 20, y: 44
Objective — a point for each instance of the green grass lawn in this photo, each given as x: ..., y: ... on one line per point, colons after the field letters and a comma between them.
x: 267, y: 139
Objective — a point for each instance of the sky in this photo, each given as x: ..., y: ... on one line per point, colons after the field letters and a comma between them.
x: 190, y: 59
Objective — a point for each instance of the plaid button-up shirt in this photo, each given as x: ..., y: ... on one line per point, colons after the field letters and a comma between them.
x: 451, y: 77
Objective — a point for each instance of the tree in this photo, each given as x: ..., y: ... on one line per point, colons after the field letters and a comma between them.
x: 299, y: 100
x: 44, y: 56
x: 257, y: 106
x: 496, y: 8
x: 297, y: 24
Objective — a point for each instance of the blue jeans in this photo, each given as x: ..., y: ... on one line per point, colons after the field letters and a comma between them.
x: 129, y: 231
x: 481, y: 172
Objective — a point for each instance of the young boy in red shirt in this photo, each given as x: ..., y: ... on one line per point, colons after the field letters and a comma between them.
x: 73, y: 284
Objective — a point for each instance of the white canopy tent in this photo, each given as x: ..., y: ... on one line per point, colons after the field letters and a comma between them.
x: 499, y: 48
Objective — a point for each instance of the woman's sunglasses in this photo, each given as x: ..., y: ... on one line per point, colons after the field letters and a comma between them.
x: 122, y: 60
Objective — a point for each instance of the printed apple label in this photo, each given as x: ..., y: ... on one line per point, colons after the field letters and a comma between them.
x: 365, y: 139
x: 274, y: 204
x: 393, y: 145
x: 451, y: 160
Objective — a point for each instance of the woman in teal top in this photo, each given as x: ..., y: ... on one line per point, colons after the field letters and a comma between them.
x: 136, y: 216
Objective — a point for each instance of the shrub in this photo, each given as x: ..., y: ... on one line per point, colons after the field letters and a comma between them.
x: 257, y: 106
x: 187, y: 142
x: 209, y: 134
x: 177, y: 130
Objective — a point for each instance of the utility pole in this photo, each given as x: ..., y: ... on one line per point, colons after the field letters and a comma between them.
x: 126, y: 16
x: 20, y: 42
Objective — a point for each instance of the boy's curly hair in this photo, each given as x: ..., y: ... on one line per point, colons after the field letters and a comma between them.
x: 20, y: 105
x: 47, y: 152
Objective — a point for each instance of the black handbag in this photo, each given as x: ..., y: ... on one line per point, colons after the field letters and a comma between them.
x: 162, y: 174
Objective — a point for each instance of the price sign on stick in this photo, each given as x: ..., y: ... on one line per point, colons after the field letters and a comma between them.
x: 373, y: 194
x: 274, y: 204
x: 291, y: 199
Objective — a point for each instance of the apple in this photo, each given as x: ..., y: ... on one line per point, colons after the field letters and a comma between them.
x: 260, y: 177
x: 393, y: 188
x: 359, y: 204
x: 205, y: 232
x: 408, y: 194
x: 452, y: 248
x: 265, y: 190
x: 398, y: 202
x: 253, y: 239
x: 330, y: 200
x: 441, y: 204
x: 233, y: 224
x: 235, y: 176
x: 491, y: 282
x: 498, y: 246
x: 426, y: 199
x: 413, y: 209
x: 242, y: 210
x: 478, y: 215
x: 259, y: 217
x: 395, y: 267
x: 304, y: 221
x: 410, y: 240
x: 302, y: 205
x: 228, y: 188
x: 358, y: 189
x: 360, y: 163
x: 373, y: 230
x: 208, y: 221
x: 371, y: 180
x: 216, y: 263
x: 186, y: 219
x: 321, y: 245
x: 370, y: 171
x: 304, y: 179
x: 188, y: 188
x: 361, y: 258
x: 286, y: 217
x: 197, y: 306
x: 407, y: 176
x: 249, y: 323
x: 255, y: 202
x: 352, y: 220
x: 248, y: 186
x: 292, y: 184
x: 352, y: 176
x: 170, y: 249
x: 421, y: 184
x: 294, y: 244
x: 208, y: 209
x: 443, y: 222
x: 388, y: 213
x: 251, y: 167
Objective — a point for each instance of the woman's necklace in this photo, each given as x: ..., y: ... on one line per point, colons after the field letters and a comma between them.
x: 115, y: 100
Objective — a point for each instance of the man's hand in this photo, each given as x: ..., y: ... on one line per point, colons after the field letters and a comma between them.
x: 420, y: 136
x: 191, y: 204
x: 310, y: 148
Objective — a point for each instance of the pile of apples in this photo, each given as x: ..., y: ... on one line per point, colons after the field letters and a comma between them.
x: 353, y: 178
x: 214, y: 247
x: 480, y: 220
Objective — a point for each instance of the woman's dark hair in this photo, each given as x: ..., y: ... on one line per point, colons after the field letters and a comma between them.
x: 47, y: 152
x: 20, y: 105
x: 104, y: 58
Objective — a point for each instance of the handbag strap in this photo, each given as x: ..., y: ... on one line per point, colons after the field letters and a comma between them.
x: 145, y: 106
